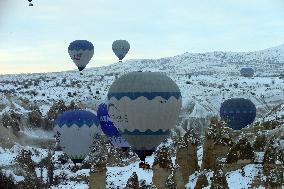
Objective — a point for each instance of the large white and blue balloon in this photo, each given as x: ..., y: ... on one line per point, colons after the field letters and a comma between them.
x: 81, y: 52
x: 76, y: 130
x: 109, y: 129
x: 144, y: 106
x: 120, y: 48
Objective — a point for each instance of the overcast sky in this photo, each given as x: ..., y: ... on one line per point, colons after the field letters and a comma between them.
x: 35, y: 39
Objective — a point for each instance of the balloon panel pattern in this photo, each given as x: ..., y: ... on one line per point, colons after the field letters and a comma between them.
x: 109, y: 128
x: 238, y: 112
x: 247, y: 72
x: 76, y: 130
x: 81, y: 52
x: 145, y: 106
x: 120, y: 48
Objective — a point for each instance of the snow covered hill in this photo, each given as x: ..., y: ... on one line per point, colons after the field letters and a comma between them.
x: 205, y: 81
x: 204, y: 78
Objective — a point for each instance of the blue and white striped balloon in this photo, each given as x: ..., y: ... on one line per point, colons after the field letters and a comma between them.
x: 76, y: 131
x: 81, y: 52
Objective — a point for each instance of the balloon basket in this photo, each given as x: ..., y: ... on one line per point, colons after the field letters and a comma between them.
x: 125, y: 149
x: 81, y: 73
x: 31, y: 4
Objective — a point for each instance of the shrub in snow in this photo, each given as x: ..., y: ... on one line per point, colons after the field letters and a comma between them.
x: 11, y: 119
x: 99, y: 155
x: 202, y: 182
x: 47, y: 124
x: 56, y: 109
x: 48, y: 163
x: 163, y: 158
x: 133, y: 182
x: 72, y: 106
x: 35, y: 118
x: 275, y: 178
x: 26, y: 167
x: 143, y: 185
x: 259, y: 143
x: 171, y: 182
x: 219, y: 180
x: 7, y: 181
x: 269, y: 125
x: 240, y: 151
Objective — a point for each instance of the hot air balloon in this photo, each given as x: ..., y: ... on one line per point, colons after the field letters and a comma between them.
x: 238, y: 112
x: 30, y: 4
x: 247, y: 72
x: 144, y: 106
x: 75, y: 131
x: 81, y: 52
x: 109, y: 128
x: 120, y: 48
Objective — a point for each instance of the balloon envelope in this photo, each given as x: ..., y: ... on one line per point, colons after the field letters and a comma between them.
x: 120, y: 48
x: 76, y: 130
x: 145, y: 106
x: 109, y: 128
x: 238, y: 112
x: 81, y: 52
x: 247, y: 72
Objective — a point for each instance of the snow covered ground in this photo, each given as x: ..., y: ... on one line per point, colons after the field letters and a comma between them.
x: 118, y: 176
x: 205, y: 81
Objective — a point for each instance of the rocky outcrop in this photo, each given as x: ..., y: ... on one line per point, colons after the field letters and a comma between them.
x: 218, y: 141
x: 186, y: 155
x: 160, y: 176
x: 97, y: 179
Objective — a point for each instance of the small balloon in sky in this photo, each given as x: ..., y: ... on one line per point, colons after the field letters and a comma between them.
x: 81, y: 52
x: 120, y: 48
x: 247, y: 72
x: 30, y: 4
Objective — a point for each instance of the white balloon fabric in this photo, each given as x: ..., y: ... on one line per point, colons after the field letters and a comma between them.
x: 144, y: 106
x: 81, y: 52
x: 120, y: 48
x: 76, y: 131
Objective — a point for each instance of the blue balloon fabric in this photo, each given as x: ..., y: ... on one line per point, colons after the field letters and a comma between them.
x: 80, y: 45
x: 247, y: 72
x: 78, y: 118
x: 238, y: 112
x: 81, y: 52
x: 148, y: 95
x: 108, y: 127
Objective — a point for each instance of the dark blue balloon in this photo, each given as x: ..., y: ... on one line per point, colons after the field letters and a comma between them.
x: 238, y: 112
x: 109, y: 128
x: 80, y: 45
x: 78, y: 118
x: 247, y: 72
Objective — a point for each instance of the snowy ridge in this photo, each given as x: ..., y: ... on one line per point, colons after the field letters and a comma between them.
x: 205, y: 81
